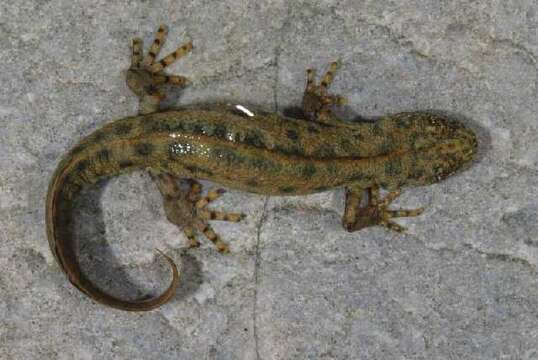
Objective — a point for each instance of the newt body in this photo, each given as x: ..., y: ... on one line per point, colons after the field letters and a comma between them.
x: 263, y: 153
x: 275, y: 155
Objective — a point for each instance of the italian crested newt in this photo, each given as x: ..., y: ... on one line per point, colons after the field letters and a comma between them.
x: 263, y: 153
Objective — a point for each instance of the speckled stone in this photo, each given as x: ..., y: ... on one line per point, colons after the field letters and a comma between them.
x: 462, y: 284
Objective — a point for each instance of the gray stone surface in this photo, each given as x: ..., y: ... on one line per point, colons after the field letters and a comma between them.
x: 461, y: 285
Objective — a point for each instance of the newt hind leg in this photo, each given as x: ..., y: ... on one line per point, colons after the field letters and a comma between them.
x: 376, y: 211
x: 188, y: 209
x: 146, y: 74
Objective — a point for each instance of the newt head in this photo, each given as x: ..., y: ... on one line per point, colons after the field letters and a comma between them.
x: 442, y: 147
x: 456, y: 151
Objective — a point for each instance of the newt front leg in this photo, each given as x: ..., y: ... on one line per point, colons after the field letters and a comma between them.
x: 376, y: 211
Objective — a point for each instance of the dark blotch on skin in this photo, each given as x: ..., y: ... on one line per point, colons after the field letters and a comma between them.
x: 198, y: 129
x: 103, y: 155
x: 308, y: 171
x: 252, y: 182
x: 402, y: 123
x: 159, y: 126
x: 179, y: 126
x: 125, y: 164
x: 312, y: 129
x: 393, y: 167
x: 82, y: 165
x: 347, y: 145
x: 220, y: 131
x: 198, y: 170
x: 287, y: 189
x: 254, y: 138
x: 292, y: 134
x: 412, y: 140
x: 122, y: 129
x: 264, y: 164
x: 144, y: 149
x: 377, y: 130
x: 291, y: 150
x: 358, y: 136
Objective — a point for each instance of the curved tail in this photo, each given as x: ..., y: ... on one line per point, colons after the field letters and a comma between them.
x: 64, y: 185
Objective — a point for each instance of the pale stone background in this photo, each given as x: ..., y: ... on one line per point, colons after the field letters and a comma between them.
x: 463, y: 283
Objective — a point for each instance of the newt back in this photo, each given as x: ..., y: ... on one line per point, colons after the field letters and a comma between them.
x: 271, y: 154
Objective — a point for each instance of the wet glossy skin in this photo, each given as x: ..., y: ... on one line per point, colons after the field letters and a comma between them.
x: 274, y: 155
x: 258, y: 152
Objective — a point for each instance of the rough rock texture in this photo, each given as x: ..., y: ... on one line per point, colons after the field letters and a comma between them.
x: 462, y: 284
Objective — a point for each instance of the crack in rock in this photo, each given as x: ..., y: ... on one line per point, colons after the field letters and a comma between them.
x: 256, y: 277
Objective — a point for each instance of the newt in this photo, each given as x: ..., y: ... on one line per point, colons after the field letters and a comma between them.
x: 258, y: 152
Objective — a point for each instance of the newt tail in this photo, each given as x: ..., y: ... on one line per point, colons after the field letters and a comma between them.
x: 71, y: 176
x: 62, y: 189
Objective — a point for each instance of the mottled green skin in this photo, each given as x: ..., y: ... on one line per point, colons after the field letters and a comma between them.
x: 275, y: 155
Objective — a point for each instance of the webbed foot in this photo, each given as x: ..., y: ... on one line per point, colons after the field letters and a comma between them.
x: 188, y: 209
x: 146, y: 74
x: 376, y: 211
x: 203, y: 214
x: 317, y: 102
